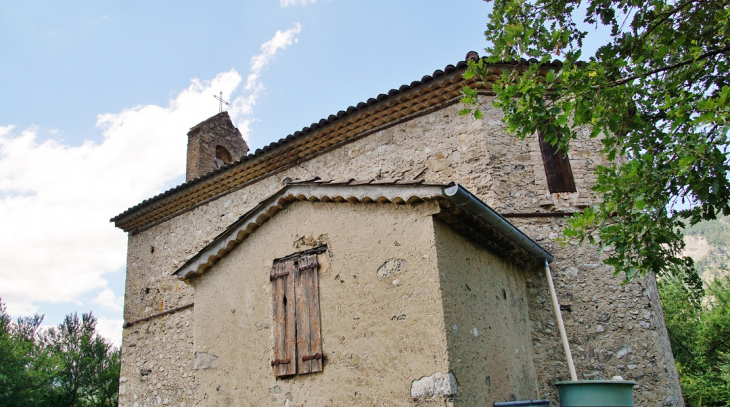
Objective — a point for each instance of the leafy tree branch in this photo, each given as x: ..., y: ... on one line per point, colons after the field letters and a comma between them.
x: 68, y: 365
x: 674, y: 66
x: 656, y: 94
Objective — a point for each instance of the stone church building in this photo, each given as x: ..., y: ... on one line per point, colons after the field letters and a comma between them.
x: 388, y: 255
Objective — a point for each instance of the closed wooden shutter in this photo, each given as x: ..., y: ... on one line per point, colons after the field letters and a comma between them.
x: 282, y: 278
x: 557, y: 167
x: 297, y: 331
x: 309, y: 336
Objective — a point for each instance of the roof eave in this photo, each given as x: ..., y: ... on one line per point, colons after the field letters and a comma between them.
x: 125, y: 220
x: 474, y: 206
x: 410, y: 193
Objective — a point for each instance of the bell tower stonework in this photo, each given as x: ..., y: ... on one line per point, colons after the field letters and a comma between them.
x: 213, y: 143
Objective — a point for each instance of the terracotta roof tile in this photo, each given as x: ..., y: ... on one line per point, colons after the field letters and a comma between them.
x: 490, y: 230
x: 384, y: 181
x: 353, y: 181
x: 119, y: 219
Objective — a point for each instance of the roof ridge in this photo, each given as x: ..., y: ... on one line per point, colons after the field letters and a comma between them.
x: 461, y: 65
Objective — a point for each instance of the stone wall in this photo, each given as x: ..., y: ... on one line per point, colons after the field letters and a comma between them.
x: 158, y: 363
x: 205, y: 141
x: 505, y: 173
x: 613, y: 329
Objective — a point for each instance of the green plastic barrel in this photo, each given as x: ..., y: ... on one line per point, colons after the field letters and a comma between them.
x: 596, y: 393
x: 524, y: 403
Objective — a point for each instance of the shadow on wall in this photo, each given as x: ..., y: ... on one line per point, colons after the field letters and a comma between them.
x: 486, y: 317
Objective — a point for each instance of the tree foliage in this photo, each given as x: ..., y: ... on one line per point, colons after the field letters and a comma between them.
x: 68, y: 365
x: 657, y: 94
x: 25, y: 369
x: 699, y: 332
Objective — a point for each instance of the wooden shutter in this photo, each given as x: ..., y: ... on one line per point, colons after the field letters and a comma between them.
x: 309, y: 335
x: 282, y: 278
x: 557, y: 167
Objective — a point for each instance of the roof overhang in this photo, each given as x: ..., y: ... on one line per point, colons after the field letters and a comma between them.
x: 441, y: 89
x: 459, y: 208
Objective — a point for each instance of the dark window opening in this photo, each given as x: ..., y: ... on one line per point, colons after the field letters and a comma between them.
x: 222, y: 154
x: 557, y: 167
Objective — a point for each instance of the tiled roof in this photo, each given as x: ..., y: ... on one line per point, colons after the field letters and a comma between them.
x: 440, y: 89
x: 353, y: 181
x: 459, y: 209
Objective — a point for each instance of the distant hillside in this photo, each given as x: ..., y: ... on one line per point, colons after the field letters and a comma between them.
x: 708, y: 243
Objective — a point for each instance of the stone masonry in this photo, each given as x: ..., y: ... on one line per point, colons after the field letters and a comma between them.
x: 614, y: 329
x: 213, y: 139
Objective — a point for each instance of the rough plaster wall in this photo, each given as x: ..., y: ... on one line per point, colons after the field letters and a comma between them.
x: 379, y: 333
x: 506, y: 173
x: 486, y: 316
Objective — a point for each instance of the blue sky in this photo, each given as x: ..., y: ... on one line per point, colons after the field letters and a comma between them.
x: 64, y: 63
x: 97, y: 96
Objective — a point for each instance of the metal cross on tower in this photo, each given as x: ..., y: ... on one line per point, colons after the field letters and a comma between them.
x: 221, y: 102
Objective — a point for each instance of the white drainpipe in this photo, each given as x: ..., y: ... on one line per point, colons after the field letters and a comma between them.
x: 561, y: 326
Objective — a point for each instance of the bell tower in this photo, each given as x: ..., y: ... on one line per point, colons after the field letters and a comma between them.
x: 213, y: 143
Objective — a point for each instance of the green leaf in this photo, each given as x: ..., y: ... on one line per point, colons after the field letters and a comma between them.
x: 662, y: 123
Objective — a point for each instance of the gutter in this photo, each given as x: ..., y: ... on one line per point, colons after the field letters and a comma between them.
x: 475, y: 207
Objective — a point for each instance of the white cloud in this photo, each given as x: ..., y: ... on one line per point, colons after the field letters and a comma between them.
x: 110, y: 329
x: 109, y: 300
x: 6, y: 129
x: 242, y: 106
x: 287, y: 3
x: 56, y: 200
x: 56, y: 242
